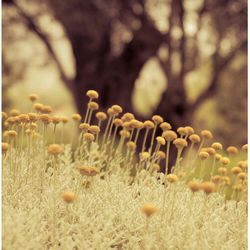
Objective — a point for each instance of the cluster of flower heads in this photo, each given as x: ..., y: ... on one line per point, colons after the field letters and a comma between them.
x: 126, y: 147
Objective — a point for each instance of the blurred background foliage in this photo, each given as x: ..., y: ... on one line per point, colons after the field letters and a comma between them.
x: 185, y: 60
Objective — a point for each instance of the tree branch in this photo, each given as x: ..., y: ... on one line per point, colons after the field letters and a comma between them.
x: 30, y: 23
x: 217, y: 71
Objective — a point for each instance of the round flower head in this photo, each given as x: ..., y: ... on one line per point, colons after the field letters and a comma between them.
x: 182, y: 131
x: 217, y: 157
x: 157, y: 119
x: 4, y: 116
x: 93, y: 105
x: 169, y: 135
x: 189, y: 130
x: 156, y: 167
x: 131, y: 145
x: 165, y: 126
x: 23, y: 118
x: 243, y: 164
x: 88, y: 170
x: 144, y: 156
x: 101, y: 116
x: 65, y: 119
x: 206, y: 134
x: 38, y: 107
x: 117, y: 109
x: 226, y: 180
x: 94, y: 129
x: 203, y: 155
x: 5, y: 147
x: 127, y: 117
x: 88, y: 137
x: 194, y: 186
x: 111, y: 112
x: 172, y: 178
x: 160, y: 140
x: 127, y: 126
x: 180, y: 143
x: 33, y: 117
x: 76, y: 117
x: 68, y: 196
x: 242, y: 176
x: 236, y: 170
x: 136, y: 124
x: 118, y: 122
x: 160, y: 154
x: 224, y: 160
x: 211, y: 151
x: 33, y: 97
x: 244, y: 147
x: 124, y: 133
x: 55, y: 149
x: 14, y: 112
x: 222, y: 171
x: 149, y: 209
x: 194, y: 138
x: 216, y: 178
x: 56, y: 119
x: 217, y: 146
x: 238, y: 187
x: 47, y: 109
x: 45, y: 118
x: 84, y: 126
x: 11, y: 134
x: 232, y: 150
x: 148, y: 124
x: 92, y: 94
x: 208, y: 187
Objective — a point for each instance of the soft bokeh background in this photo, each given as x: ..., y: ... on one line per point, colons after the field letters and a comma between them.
x: 184, y: 60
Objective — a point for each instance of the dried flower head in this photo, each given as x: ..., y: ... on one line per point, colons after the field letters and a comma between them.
x: 94, y: 129
x: 46, y: 109
x: 182, y: 131
x: 194, y: 186
x: 33, y: 97
x: 222, y: 171
x: 232, y: 150
x: 45, y: 118
x: 124, y: 133
x: 165, y: 126
x: 68, y: 196
x: 118, y: 122
x: 206, y: 134
x: 224, y: 160
x: 88, y: 170
x: 84, y: 126
x: 157, y: 119
x: 144, y: 156
x: 111, y: 112
x: 148, y: 124
x: 172, y: 178
x: 55, y: 149
x: 216, y: 178
x: 131, y: 145
x: 101, y: 116
x: 14, y: 112
x: 5, y: 147
x: 189, y: 130
x: 217, y: 157
x: 56, y: 119
x: 160, y: 140
x: 127, y: 117
x: 76, y: 117
x: 211, y: 151
x: 149, y: 209
x: 169, y: 135
x: 208, y: 187
x: 38, y: 107
x: 92, y: 94
x: 11, y: 134
x: 117, y: 109
x: 203, y: 155
x: 244, y: 147
x: 236, y: 170
x: 194, y: 138
x: 88, y: 137
x: 33, y: 117
x: 217, y: 146
x: 65, y: 119
x: 93, y: 105
x: 23, y: 118
x: 242, y: 176
x: 160, y: 154
x: 180, y: 143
